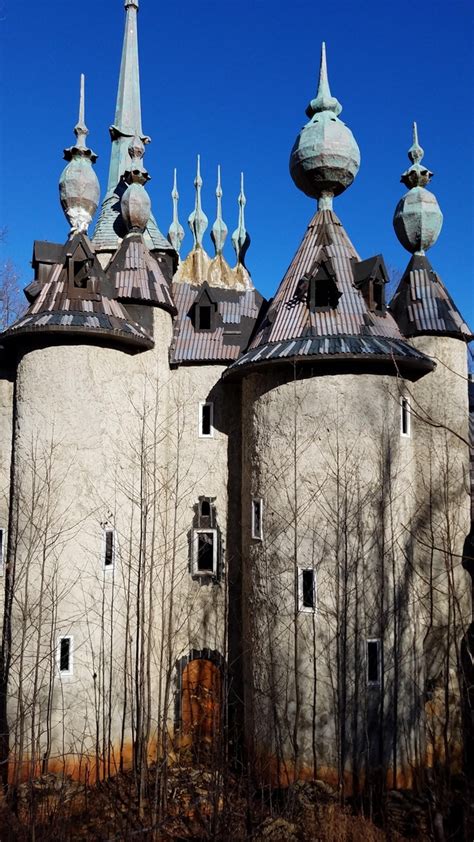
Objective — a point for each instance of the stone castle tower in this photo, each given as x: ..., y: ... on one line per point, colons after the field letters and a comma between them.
x: 227, y: 522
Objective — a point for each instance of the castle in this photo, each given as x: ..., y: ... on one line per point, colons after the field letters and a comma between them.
x: 232, y: 527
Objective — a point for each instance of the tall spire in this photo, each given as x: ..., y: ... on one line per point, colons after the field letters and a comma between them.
x: 198, y: 220
x: 128, y: 113
x: 324, y: 101
x: 79, y: 189
x: 240, y: 237
x: 176, y: 230
x: 219, y: 229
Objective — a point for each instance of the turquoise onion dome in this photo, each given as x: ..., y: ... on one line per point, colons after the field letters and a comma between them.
x: 325, y: 158
x: 418, y: 219
x: 79, y: 189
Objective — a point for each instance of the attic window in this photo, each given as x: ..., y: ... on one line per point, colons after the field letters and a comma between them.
x: 81, y: 269
x: 204, y: 317
x: 205, y: 552
x: 323, y: 293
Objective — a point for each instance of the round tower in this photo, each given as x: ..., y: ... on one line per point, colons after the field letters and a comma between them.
x: 328, y: 481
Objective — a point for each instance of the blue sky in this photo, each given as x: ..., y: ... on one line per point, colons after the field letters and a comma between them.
x: 232, y: 81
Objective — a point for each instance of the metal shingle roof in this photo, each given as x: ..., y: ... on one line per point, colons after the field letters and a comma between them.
x: 422, y: 304
x: 110, y: 230
x: 138, y: 276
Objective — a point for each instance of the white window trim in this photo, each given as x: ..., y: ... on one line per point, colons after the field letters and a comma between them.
x: 404, y: 401
x: 201, y: 434
x: 196, y: 571
x: 70, y: 671
x: 255, y: 536
x: 378, y: 641
x: 3, y: 533
x: 109, y: 567
x: 305, y: 609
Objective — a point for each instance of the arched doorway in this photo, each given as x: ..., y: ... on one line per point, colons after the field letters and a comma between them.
x: 201, y: 709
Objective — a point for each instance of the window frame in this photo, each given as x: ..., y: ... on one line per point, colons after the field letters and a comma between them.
x: 203, y: 435
x: 257, y: 536
x: 195, y: 551
x: 378, y: 642
x: 70, y: 671
x: 105, y: 531
x: 306, y: 609
x: 405, y: 413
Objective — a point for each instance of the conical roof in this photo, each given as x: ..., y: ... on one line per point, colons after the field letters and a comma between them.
x: 137, y: 276
x: 76, y: 302
x: 295, y: 326
x: 422, y: 304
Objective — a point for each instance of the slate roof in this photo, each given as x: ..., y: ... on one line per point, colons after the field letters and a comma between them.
x: 138, y: 276
x: 422, y: 305
x: 110, y: 229
x: 69, y: 311
x: 291, y: 328
x: 236, y: 313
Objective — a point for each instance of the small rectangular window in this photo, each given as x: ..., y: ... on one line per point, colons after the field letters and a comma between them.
x: 307, y: 590
x: 109, y: 548
x: 205, y: 552
x: 206, y: 419
x: 373, y: 662
x: 204, y: 317
x: 2, y: 550
x: 405, y: 417
x: 257, y: 512
x: 65, y: 655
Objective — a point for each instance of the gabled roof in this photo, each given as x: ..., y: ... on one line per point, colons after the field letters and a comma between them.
x: 235, y: 317
x: 422, y: 305
x: 350, y: 329
x: 72, y: 309
x: 138, y: 276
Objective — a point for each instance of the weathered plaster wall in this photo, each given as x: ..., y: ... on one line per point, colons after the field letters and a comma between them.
x: 339, y: 486
x: 6, y: 424
x: 107, y: 439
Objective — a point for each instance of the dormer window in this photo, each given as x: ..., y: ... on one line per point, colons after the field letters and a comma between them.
x: 203, y: 317
x: 79, y: 272
x: 203, y: 313
x: 323, y: 293
x: 370, y: 277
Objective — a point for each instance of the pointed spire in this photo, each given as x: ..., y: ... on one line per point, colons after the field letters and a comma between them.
x: 128, y: 114
x: 324, y: 101
x: 135, y: 203
x: 240, y: 237
x: 219, y: 229
x: 176, y: 230
x: 416, y: 175
x: 198, y: 221
x: 79, y: 188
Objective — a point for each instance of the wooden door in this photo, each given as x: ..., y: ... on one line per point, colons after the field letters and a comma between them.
x: 201, y: 708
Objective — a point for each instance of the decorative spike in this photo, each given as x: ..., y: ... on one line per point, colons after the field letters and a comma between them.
x: 198, y: 221
x: 219, y: 229
x: 176, y: 230
x: 324, y: 101
x: 240, y: 237
x: 79, y: 189
x: 415, y: 152
x: 416, y: 175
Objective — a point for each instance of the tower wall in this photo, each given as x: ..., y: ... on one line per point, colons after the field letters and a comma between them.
x: 338, y: 484
x: 106, y: 440
x: 6, y: 425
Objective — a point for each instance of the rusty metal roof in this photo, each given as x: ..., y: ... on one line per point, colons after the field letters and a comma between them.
x: 236, y: 314
x: 87, y: 310
x: 291, y: 328
x: 422, y: 305
x: 138, y: 276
